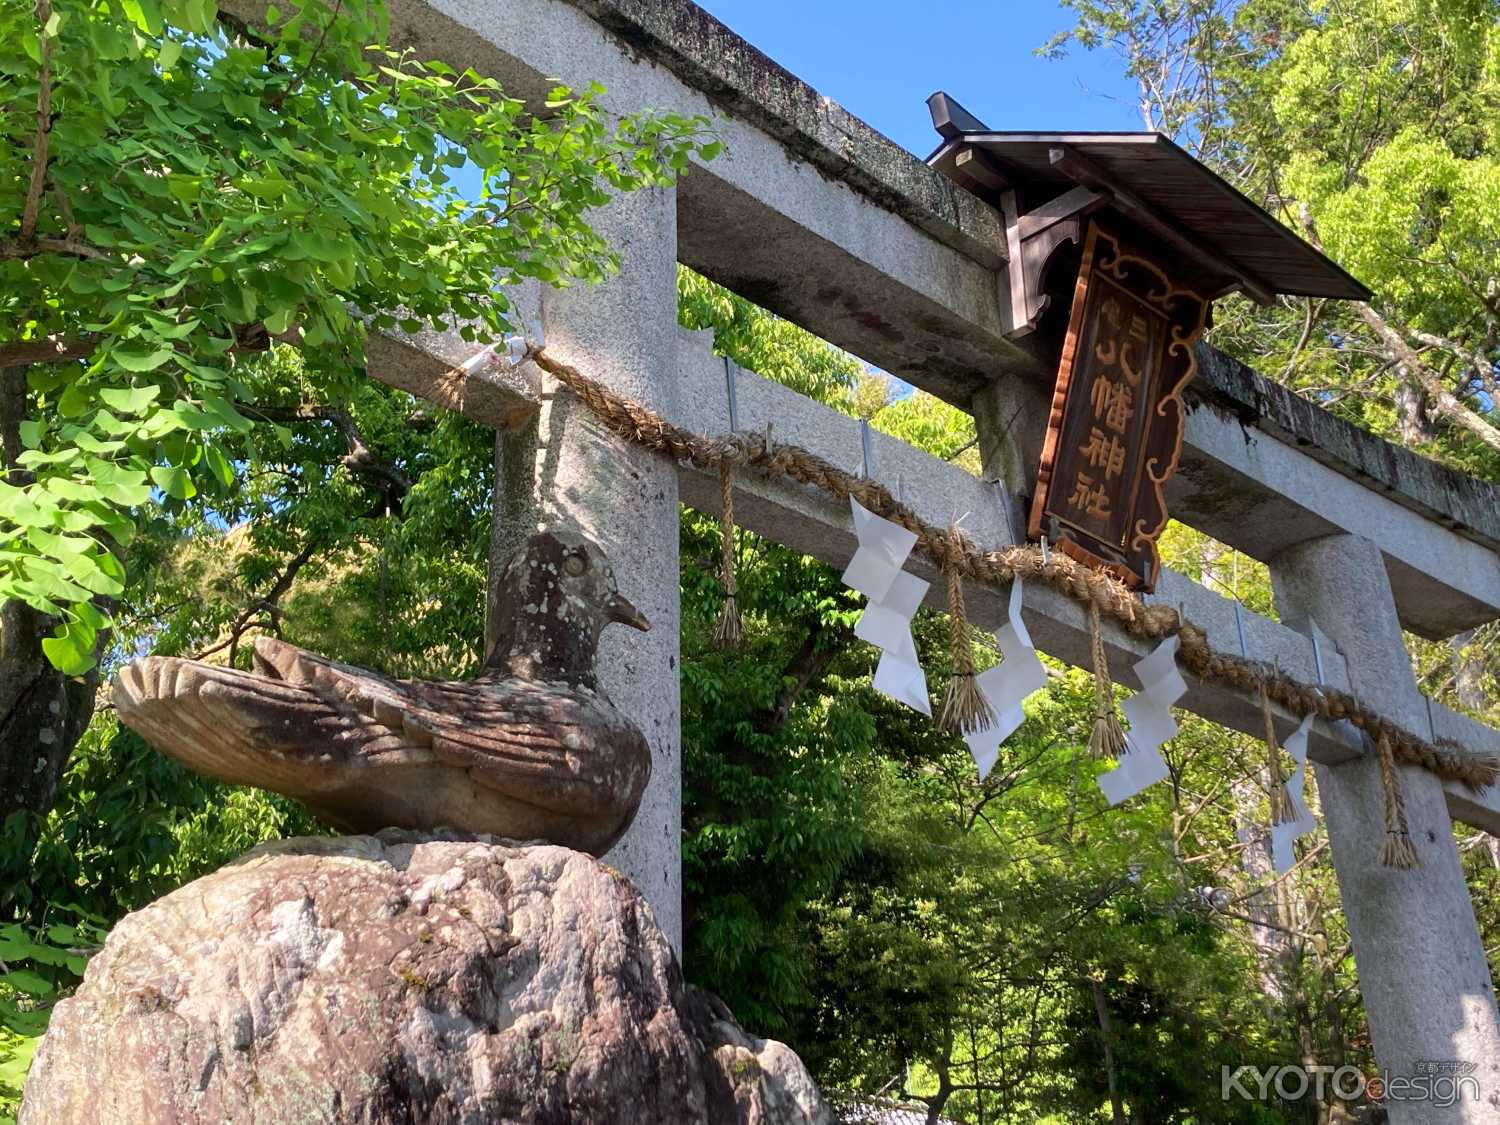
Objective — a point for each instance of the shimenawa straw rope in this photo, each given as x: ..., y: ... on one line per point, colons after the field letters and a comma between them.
x: 635, y: 423
x: 1398, y: 850
x: 1281, y: 805
x: 1106, y: 738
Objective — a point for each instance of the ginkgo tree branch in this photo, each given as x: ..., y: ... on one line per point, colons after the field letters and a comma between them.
x: 48, y: 349
x: 62, y: 349
x: 361, y: 457
x: 24, y: 248
x: 276, y: 100
x: 71, y: 239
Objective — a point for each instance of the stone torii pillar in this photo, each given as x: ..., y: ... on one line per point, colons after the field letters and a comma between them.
x: 1422, y: 969
x: 565, y: 465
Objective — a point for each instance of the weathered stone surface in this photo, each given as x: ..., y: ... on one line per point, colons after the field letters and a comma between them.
x: 567, y: 466
x: 1455, y: 499
x: 402, y: 979
x: 745, y: 1078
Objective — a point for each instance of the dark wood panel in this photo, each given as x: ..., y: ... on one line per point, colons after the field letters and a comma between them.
x: 1115, y: 429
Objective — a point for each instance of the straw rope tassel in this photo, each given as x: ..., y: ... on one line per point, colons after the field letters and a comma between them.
x: 965, y: 709
x: 1281, y: 805
x: 1107, y: 739
x: 1397, y: 851
x: 729, y: 633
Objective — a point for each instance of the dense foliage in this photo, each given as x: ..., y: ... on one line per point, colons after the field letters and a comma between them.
x: 180, y: 191
x: 1005, y: 950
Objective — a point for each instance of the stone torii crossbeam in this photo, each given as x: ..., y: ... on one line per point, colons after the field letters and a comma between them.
x: 814, y: 215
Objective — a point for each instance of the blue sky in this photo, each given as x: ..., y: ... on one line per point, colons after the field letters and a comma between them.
x: 880, y: 59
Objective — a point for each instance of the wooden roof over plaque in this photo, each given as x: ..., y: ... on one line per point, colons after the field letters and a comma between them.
x: 1209, y: 227
x: 1117, y: 245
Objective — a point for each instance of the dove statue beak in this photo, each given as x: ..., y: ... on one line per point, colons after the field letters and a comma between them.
x: 620, y: 609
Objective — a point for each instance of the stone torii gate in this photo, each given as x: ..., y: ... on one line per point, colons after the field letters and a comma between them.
x: 814, y: 215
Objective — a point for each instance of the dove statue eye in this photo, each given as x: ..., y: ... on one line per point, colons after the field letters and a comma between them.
x: 576, y: 564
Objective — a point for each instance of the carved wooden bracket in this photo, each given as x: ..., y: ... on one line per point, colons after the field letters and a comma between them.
x: 1031, y: 238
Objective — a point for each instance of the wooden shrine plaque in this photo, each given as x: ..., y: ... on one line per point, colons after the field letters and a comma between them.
x: 1115, y: 431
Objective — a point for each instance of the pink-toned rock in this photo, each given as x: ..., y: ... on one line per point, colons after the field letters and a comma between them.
x: 403, y: 979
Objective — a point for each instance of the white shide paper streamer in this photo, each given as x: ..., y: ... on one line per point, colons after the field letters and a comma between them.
x: 883, y: 547
x: 875, y: 571
x: 1006, y: 686
x: 1302, y: 821
x: 1151, y: 724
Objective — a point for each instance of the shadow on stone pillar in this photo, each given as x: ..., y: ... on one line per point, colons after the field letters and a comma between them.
x: 565, y: 466
x: 1010, y: 419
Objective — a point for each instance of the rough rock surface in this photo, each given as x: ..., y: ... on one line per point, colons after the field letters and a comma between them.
x: 398, y: 978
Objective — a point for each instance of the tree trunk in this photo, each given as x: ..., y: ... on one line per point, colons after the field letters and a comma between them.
x: 810, y: 662
x: 1255, y: 860
x: 1411, y: 415
x: 939, y: 1101
x: 974, y: 1064
x: 43, y: 713
x: 1440, y: 399
x: 1107, y: 1037
x: 1334, y: 1111
x: 1468, y: 671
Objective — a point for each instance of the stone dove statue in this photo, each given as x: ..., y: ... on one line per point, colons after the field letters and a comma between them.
x: 530, y: 749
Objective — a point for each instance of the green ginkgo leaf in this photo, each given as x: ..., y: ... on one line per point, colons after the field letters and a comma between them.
x: 174, y: 481
x: 71, y: 653
x: 139, y: 361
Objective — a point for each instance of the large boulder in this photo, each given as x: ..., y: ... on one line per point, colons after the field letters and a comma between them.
x: 433, y: 979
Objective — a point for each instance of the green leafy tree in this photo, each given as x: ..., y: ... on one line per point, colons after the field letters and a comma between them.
x: 36, y: 964
x: 178, y: 191
x: 1371, y: 129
